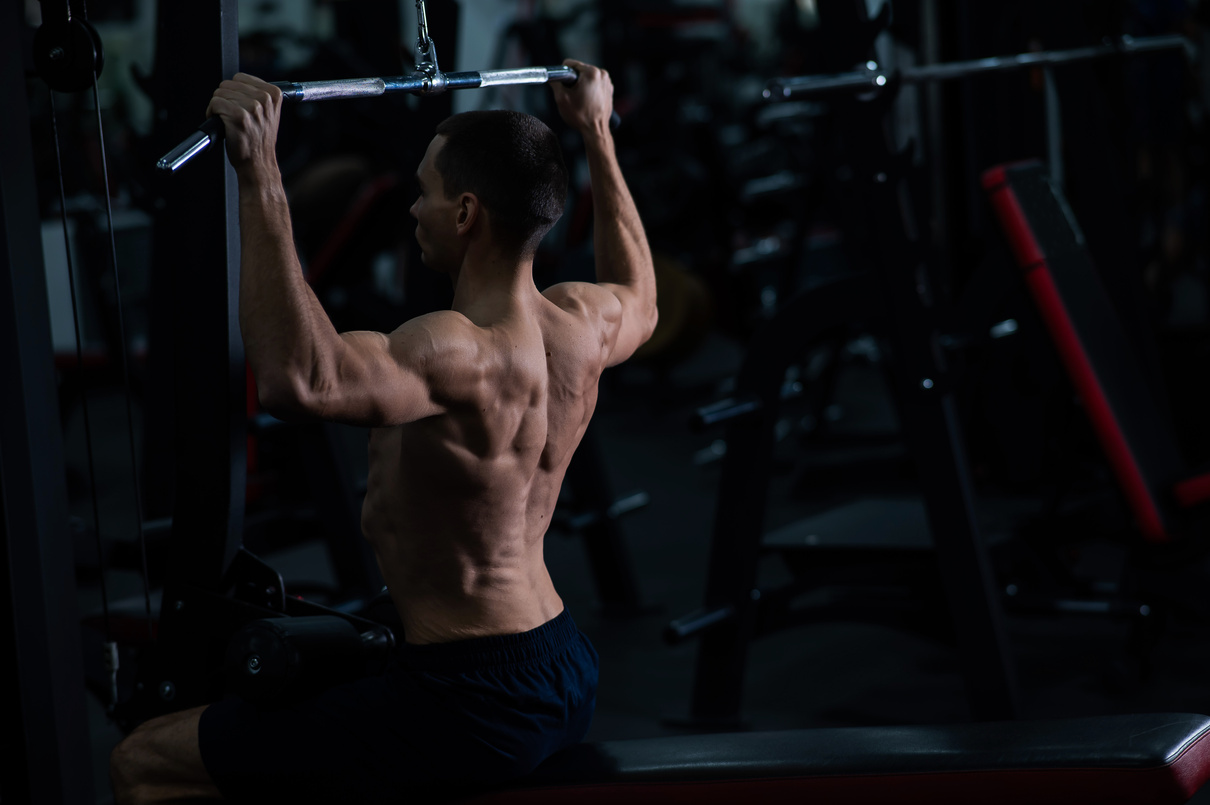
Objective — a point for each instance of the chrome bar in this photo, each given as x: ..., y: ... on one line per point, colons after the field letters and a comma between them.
x: 417, y: 84
x: 871, y: 77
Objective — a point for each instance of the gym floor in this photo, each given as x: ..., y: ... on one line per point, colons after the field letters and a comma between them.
x: 833, y: 674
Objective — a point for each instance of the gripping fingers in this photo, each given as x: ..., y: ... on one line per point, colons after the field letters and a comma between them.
x: 250, y: 110
x: 589, y: 101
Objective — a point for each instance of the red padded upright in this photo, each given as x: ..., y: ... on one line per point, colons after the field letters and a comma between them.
x: 347, y: 227
x: 1033, y: 261
x: 1193, y: 491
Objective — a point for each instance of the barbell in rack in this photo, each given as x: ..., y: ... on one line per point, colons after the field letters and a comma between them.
x: 871, y: 77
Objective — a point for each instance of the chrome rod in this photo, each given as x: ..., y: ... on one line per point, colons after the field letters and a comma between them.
x: 416, y: 84
x: 872, y: 77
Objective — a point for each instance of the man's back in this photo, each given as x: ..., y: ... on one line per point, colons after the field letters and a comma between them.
x: 458, y: 503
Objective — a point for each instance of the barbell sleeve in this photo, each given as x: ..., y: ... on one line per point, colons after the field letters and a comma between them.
x: 191, y: 146
x: 417, y: 84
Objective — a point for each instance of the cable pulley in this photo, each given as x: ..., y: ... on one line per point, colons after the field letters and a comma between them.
x: 67, y: 54
x: 426, y: 79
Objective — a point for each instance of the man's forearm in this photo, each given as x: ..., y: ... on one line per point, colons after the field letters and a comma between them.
x: 620, y: 244
x: 286, y: 331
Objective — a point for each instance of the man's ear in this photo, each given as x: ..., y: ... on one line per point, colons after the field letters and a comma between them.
x: 468, y: 212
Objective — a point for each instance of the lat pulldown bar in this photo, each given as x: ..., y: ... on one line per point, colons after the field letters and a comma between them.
x: 872, y: 77
x: 426, y: 79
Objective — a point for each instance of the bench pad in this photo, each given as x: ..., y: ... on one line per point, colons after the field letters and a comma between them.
x: 1153, y: 758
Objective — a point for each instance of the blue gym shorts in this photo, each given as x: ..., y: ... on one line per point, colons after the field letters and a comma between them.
x: 445, y: 719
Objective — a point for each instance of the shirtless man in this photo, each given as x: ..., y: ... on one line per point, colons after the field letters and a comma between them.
x: 476, y: 412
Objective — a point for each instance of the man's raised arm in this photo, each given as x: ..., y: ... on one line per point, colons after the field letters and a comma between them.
x: 623, y: 257
x: 303, y: 367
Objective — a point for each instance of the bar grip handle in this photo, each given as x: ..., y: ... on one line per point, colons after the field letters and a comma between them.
x: 206, y: 135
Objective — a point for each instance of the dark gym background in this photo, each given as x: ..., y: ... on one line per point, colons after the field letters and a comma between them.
x: 696, y: 142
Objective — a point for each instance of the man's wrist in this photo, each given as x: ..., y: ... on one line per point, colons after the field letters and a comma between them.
x: 598, y: 134
x: 258, y: 178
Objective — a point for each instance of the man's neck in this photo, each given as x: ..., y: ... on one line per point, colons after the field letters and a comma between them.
x: 488, y: 279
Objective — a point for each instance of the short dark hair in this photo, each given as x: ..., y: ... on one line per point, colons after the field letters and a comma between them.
x: 514, y: 164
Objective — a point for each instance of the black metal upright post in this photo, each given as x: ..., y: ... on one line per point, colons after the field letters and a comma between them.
x: 195, y: 276
x: 45, y: 756
x: 196, y: 255
x: 739, y: 519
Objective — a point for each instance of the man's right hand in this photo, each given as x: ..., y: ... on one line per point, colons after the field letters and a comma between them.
x: 250, y: 110
x: 586, y: 105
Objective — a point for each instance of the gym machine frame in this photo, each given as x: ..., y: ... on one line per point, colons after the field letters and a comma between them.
x: 47, y: 755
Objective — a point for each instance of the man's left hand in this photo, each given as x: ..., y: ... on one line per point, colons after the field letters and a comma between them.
x: 250, y: 110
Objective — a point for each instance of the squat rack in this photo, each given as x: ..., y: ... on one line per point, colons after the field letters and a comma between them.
x: 872, y: 78
x: 735, y: 611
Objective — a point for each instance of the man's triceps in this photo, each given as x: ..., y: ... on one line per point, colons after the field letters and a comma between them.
x: 380, y: 382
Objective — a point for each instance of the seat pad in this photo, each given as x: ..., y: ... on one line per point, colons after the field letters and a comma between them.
x: 1153, y: 758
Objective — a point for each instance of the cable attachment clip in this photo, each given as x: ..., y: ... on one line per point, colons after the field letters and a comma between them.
x: 426, y: 55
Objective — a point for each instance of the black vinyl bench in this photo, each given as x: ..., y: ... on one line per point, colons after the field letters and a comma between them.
x: 1149, y: 758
